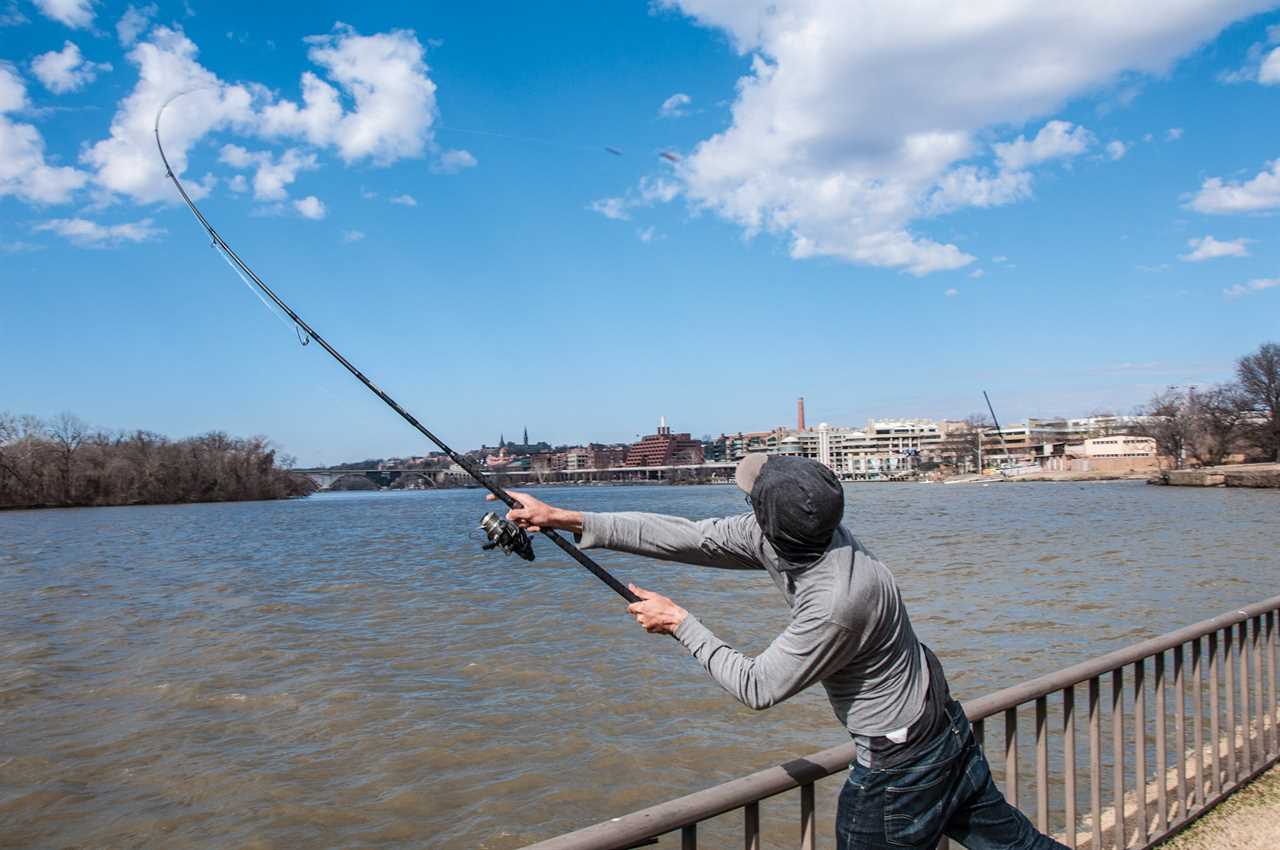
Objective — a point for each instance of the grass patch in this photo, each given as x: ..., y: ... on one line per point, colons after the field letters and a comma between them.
x: 1247, y: 820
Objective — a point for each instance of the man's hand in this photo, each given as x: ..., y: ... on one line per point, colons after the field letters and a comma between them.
x: 534, y: 515
x: 657, y: 613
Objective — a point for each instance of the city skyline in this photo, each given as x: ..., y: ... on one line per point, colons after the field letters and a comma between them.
x: 594, y: 215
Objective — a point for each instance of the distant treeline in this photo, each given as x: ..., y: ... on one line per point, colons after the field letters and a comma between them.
x: 64, y: 463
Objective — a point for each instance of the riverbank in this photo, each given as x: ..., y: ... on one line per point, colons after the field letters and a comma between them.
x: 1247, y: 820
x: 1262, y: 475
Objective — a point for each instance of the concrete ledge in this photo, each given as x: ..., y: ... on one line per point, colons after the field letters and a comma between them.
x: 1240, y: 475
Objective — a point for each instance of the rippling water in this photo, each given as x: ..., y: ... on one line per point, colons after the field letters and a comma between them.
x: 350, y: 669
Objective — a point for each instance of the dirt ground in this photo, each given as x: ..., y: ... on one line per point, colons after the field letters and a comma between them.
x: 1248, y: 820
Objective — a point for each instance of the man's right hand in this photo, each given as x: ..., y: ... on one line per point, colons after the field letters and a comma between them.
x: 534, y: 515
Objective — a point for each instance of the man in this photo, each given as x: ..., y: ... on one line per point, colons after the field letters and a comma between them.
x: 919, y: 772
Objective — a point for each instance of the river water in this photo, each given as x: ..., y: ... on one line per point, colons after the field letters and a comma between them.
x: 351, y: 669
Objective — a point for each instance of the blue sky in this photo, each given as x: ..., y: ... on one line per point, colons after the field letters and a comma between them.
x: 885, y: 212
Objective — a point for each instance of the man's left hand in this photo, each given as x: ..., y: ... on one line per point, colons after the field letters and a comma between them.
x: 657, y: 613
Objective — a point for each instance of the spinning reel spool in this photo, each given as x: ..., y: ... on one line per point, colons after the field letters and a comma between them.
x: 506, y: 535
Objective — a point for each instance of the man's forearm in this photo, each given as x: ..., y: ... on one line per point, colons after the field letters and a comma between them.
x: 565, y: 520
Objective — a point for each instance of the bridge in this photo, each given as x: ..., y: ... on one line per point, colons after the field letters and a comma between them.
x: 454, y: 476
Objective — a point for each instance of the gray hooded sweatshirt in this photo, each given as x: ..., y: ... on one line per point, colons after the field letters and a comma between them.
x: 849, y: 629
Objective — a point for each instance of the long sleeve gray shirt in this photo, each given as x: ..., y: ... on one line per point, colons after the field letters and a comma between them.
x: 849, y: 628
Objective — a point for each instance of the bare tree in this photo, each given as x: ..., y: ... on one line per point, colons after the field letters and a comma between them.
x: 1169, y: 421
x: 65, y: 463
x: 960, y: 448
x: 1259, y: 377
x: 1219, y: 417
x: 67, y: 432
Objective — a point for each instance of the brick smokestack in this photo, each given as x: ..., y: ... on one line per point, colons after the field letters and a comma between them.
x: 800, y: 413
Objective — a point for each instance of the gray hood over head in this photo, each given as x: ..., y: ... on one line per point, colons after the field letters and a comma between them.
x: 799, y: 504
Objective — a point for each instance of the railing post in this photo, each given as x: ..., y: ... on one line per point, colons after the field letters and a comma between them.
x: 1180, y: 729
x: 1117, y: 752
x: 689, y: 837
x: 1197, y: 722
x: 1246, y: 719
x: 1011, y: 756
x: 1215, y: 734
x: 1042, y: 765
x: 1273, y: 707
x: 1229, y: 685
x: 1162, y: 766
x: 1140, y: 746
x: 751, y: 826
x: 1095, y: 763
x: 808, y: 818
x: 1069, y: 762
x: 1261, y: 712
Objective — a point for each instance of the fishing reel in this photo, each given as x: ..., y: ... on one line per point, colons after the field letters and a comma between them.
x: 506, y: 535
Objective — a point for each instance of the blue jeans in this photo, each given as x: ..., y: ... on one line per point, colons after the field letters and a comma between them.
x: 946, y: 790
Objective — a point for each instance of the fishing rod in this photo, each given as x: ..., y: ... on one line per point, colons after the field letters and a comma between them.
x: 502, y: 533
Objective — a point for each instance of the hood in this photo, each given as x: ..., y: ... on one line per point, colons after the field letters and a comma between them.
x: 799, y: 504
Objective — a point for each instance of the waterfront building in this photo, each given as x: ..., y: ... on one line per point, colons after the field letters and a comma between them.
x: 665, y: 449
x: 730, y: 448
x: 883, y: 450
x: 595, y: 456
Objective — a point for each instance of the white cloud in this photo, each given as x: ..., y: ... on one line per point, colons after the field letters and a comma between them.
x: 1269, y: 70
x: 1261, y: 193
x: 977, y: 273
x: 822, y: 151
x: 126, y: 161
x: 352, y: 235
x: 646, y: 234
x: 24, y: 172
x: 1253, y: 286
x: 969, y: 186
x: 18, y: 246
x: 453, y: 161
x: 65, y: 70
x: 272, y: 175
x: 951, y: 293
x: 91, y: 234
x: 674, y: 106
x: 612, y: 208
x: 310, y: 207
x: 1173, y: 134
x: 77, y: 14
x: 1116, y: 150
x: 134, y: 21
x: 13, y: 91
x: 999, y: 258
x: 238, y: 184
x: 11, y: 16
x: 651, y: 190
x: 395, y: 103
x: 1056, y: 140
x: 404, y: 200
x: 1208, y: 248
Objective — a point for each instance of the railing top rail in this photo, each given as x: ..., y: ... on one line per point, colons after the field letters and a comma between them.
x: 1085, y: 670
x: 630, y: 829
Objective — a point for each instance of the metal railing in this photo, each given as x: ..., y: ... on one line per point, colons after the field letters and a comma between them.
x: 1160, y: 772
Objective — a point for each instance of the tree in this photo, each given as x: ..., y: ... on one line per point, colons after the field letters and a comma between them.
x: 1219, y: 416
x: 1169, y: 421
x: 960, y: 446
x: 67, y: 432
x: 1259, y: 377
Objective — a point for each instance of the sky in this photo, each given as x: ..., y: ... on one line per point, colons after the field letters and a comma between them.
x: 885, y: 210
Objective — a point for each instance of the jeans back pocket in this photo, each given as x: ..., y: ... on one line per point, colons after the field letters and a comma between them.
x: 916, y: 802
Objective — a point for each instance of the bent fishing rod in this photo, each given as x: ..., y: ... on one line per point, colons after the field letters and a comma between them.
x: 502, y: 533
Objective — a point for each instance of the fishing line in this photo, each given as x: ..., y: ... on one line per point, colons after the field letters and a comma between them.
x: 502, y: 533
